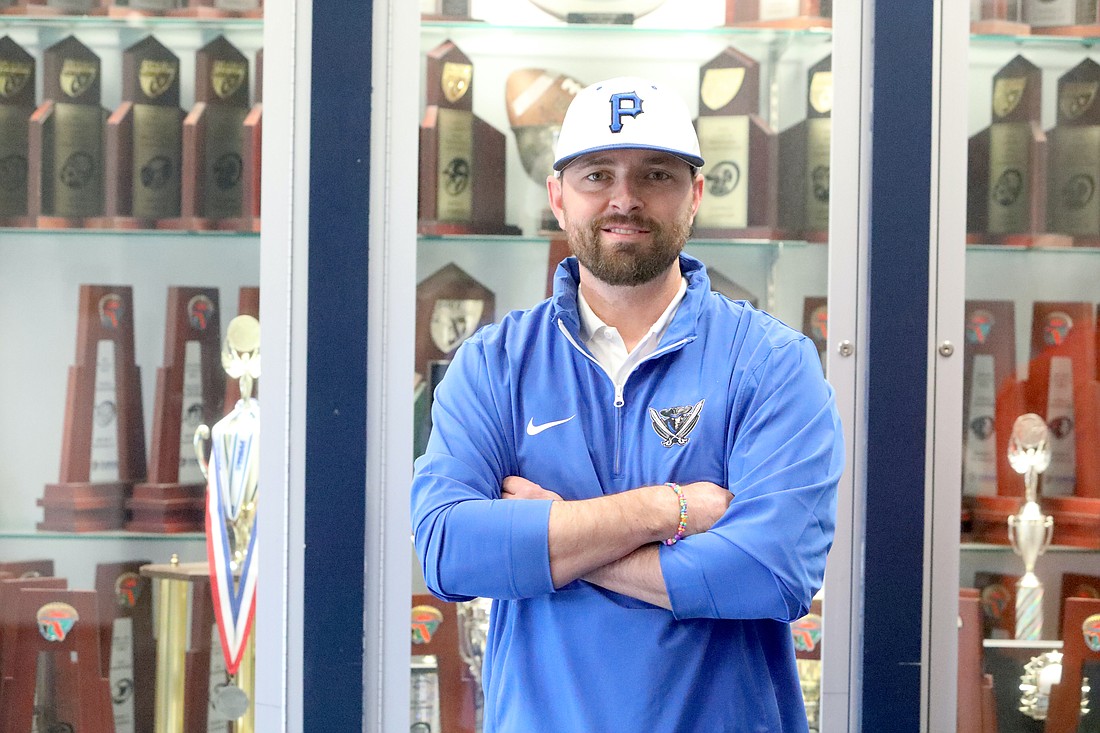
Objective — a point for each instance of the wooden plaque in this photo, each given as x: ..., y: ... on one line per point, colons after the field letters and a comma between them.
x: 791, y: 14
x: 25, y: 569
x: 976, y: 710
x: 804, y: 156
x: 999, y: 17
x: 1080, y: 646
x: 103, y: 438
x: 127, y: 648
x: 17, y: 103
x: 144, y: 141
x: 212, y: 191
x: 997, y: 594
x: 190, y: 389
x: 251, y: 149
x: 66, y: 141
x: 1074, y: 165
x: 9, y: 597
x: 1007, y: 173
x: 60, y: 629
x: 462, y: 170
x: 815, y: 323
x: 435, y: 631
x: 740, y: 195
x: 450, y: 307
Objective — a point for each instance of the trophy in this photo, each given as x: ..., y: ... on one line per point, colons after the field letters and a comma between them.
x: 144, y: 141
x: 740, y: 196
x: 620, y: 12
x: 1074, y: 163
x: 789, y: 14
x: 1029, y: 530
x: 16, y: 107
x: 537, y: 100
x: 1062, y: 17
x: 462, y: 171
x: 804, y: 156
x: 233, y: 480
x: 998, y: 17
x: 127, y: 649
x: 473, y: 634
x: 65, y: 164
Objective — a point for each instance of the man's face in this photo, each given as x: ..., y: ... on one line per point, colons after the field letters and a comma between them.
x: 626, y: 213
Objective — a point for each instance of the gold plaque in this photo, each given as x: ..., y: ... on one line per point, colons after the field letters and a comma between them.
x: 1009, y: 177
x: 13, y: 77
x: 720, y: 86
x: 724, y: 142
x: 454, y: 321
x: 158, y: 140
x: 1075, y: 161
x: 1076, y: 97
x: 1007, y: 94
x: 818, y: 133
x: 156, y: 76
x: 77, y: 76
x: 227, y: 77
x: 821, y: 92
x: 454, y: 192
x: 456, y: 80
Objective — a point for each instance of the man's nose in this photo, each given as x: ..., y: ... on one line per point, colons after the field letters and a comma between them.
x: 624, y: 196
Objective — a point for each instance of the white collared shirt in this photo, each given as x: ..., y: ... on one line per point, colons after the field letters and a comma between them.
x: 608, y: 347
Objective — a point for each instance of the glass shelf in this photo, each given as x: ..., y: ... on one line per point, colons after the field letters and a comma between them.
x: 437, y: 27
x: 10, y: 233
x: 1020, y: 249
x: 112, y: 536
x: 130, y: 21
x: 986, y: 547
x: 493, y: 240
x: 1035, y: 41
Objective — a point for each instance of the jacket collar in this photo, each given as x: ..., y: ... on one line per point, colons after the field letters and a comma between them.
x: 563, y: 303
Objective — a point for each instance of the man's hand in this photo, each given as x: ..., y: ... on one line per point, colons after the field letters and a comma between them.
x: 706, y: 503
x: 517, y: 487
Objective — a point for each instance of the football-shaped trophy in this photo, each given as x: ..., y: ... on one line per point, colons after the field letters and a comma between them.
x: 598, y: 11
x: 537, y: 100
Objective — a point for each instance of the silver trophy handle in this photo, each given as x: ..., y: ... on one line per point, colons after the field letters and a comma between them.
x: 202, y: 434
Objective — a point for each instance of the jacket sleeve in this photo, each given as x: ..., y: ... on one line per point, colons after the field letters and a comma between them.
x: 469, y: 541
x: 766, y: 557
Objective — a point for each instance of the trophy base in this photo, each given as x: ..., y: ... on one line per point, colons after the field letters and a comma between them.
x: 1092, y: 29
x: 449, y: 18
x: 994, y: 27
x: 207, y: 12
x: 794, y: 23
x: 1026, y: 239
x: 600, y: 18
x: 120, y: 222
x: 1087, y: 241
x: 60, y: 222
x: 31, y: 10
x: 123, y: 11
x: 435, y: 228
x: 167, y: 508
x: 1076, y: 521
x: 17, y: 222
x: 990, y: 518
x: 749, y: 232
x: 83, y: 507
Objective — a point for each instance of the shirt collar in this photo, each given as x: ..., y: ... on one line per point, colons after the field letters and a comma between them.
x: 591, y: 324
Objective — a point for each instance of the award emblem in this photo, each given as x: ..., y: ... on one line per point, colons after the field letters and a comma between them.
x: 128, y: 590
x: 1091, y: 631
x: 1007, y: 93
x: 77, y: 76
x: 456, y: 80
x: 14, y: 76
x: 56, y: 620
x: 156, y: 77
x: 425, y: 620
x: 807, y: 632
x: 454, y: 321
x: 232, y: 473
x: 1057, y: 327
x: 720, y: 86
x: 227, y: 76
x: 1029, y: 530
x: 1076, y: 98
x: 821, y: 92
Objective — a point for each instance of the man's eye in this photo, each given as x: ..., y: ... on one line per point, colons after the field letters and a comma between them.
x: 596, y: 176
x: 659, y: 175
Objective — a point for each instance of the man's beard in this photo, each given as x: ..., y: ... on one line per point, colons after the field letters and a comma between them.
x: 628, y: 264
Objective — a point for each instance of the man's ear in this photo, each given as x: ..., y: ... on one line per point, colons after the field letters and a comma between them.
x: 554, y: 194
x: 696, y: 193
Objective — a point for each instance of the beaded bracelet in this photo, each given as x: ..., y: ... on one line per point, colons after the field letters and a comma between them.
x: 683, y: 514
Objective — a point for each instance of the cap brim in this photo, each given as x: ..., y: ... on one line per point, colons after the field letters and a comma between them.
x: 692, y: 160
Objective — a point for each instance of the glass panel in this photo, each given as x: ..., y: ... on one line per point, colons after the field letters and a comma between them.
x: 495, y: 88
x: 129, y: 220
x: 1031, y: 477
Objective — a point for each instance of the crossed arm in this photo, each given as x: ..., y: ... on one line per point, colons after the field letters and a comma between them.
x: 611, y: 540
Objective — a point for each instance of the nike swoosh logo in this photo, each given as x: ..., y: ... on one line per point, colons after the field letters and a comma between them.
x: 533, y: 429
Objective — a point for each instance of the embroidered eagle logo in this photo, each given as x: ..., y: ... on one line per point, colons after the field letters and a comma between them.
x: 674, y: 424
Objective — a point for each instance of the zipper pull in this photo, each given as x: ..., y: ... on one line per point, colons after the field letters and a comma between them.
x: 619, y: 401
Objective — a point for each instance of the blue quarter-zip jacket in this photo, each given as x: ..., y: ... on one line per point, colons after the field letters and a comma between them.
x: 582, y: 659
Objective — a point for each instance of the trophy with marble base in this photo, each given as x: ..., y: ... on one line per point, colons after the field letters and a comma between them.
x: 233, y: 480
x: 1029, y: 530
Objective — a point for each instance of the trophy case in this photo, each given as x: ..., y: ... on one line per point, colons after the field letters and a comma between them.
x: 1030, y: 510
x: 113, y: 291
x: 492, y: 95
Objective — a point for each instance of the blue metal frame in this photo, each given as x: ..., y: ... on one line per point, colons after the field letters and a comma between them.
x: 898, y: 282
x: 336, y: 371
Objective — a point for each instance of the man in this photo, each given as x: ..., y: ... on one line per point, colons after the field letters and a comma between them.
x: 640, y: 472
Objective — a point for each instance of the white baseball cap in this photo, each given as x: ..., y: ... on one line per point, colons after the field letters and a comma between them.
x: 627, y: 112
